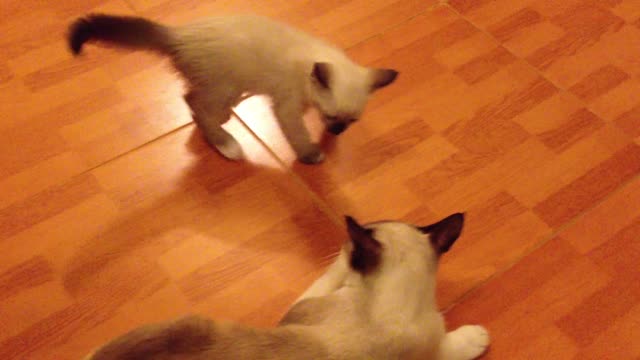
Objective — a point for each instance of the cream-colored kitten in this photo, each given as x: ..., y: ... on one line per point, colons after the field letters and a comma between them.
x: 377, y: 301
x: 225, y: 58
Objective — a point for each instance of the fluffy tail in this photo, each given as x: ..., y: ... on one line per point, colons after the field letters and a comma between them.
x: 126, y: 31
x: 184, y: 336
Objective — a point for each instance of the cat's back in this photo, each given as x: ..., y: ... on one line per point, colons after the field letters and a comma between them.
x: 242, y: 31
x: 241, y: 46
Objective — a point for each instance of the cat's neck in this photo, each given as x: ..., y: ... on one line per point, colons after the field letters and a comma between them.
x: 391, y: 299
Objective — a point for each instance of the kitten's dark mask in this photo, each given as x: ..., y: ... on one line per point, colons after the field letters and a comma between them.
x: 336, y: 124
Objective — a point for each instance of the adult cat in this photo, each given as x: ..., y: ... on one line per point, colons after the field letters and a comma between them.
x: 224, y: 58
x: 377, y: 301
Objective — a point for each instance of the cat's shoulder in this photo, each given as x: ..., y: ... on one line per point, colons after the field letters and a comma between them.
x: 312, y: 311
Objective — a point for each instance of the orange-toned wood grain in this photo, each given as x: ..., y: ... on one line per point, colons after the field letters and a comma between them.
x: 524, y: 114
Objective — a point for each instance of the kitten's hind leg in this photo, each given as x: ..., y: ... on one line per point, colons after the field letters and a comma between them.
x: 210, y: 114
x: 464, y: 343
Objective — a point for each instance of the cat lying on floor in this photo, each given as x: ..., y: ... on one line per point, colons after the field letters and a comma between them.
x: 224, y: 58
x: 377, y: 301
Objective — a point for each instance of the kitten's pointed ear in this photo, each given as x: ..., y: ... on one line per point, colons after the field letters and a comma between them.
x: 382, y: 78
x: 321, y: 72
x: 367, y: 251
x: 445, y: 232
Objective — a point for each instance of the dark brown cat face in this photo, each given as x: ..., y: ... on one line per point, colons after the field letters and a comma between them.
x: 337, y: 124
x: 340, y: 91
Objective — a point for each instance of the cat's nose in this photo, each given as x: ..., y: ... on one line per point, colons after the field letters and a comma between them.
x: 337, y: 128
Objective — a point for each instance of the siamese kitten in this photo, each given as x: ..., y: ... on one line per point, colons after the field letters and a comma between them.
x: 377, y: 301
x: 225, y: 58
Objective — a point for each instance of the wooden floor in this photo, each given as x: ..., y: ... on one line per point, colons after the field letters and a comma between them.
x: 523, y: 113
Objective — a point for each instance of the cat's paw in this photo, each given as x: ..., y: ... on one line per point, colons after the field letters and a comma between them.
x: 231, y: 149
x: 313, y: 156
x: 471, y: 341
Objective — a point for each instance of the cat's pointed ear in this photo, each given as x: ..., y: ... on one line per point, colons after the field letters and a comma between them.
x: 445, y: 232
x: 322, y: 73
x: 382, y: 78
x: 367, y: 251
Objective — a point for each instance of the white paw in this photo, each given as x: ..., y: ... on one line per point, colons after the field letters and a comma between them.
x: 472, y: 341
x: 231, y: 149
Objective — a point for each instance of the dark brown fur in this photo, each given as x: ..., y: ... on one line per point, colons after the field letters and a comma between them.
x: 127, y: 31
x: 445, y: 232
x: 187, y: 335
x: 197, y: 338
x: 367, y: 251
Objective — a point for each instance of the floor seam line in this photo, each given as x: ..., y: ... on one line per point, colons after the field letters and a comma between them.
x: 324, y: 206
x: 136, y: 148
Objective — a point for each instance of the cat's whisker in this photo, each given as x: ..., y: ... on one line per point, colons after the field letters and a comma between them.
x: 331, y: 256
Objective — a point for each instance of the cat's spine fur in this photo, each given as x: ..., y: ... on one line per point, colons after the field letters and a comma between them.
x: 126, y: 31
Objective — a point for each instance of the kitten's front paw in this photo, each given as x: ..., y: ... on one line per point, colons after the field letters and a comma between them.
x: 314, y: 156
x: 472, y: 341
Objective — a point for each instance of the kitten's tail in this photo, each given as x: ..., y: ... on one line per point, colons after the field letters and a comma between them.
x: 188, y: 335
x: 126, y: 31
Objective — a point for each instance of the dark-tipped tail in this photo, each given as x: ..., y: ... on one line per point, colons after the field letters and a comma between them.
x: 126, y: 31
x: 188, y: 335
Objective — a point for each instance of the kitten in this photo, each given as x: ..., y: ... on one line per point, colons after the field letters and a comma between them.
x: 225, y: 58
x: 377, y: 301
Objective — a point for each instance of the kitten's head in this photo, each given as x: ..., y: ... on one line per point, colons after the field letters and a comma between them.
x: 341, y: 91
x: 380, y: 248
